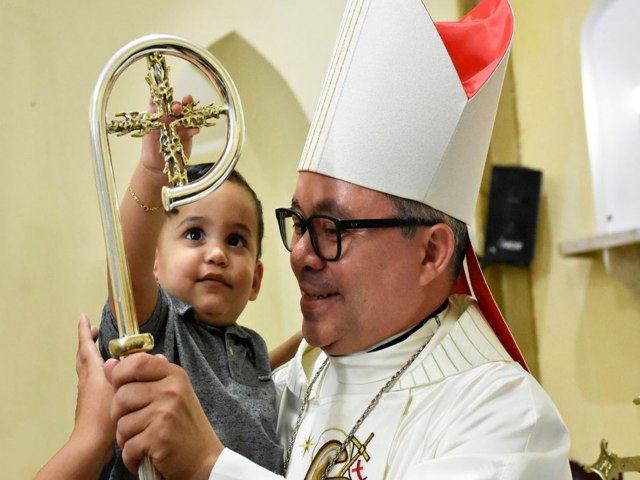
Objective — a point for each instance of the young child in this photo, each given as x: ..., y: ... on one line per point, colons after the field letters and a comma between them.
x: 193, y: 271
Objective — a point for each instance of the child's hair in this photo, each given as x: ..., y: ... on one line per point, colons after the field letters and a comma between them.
x: 197, y: 170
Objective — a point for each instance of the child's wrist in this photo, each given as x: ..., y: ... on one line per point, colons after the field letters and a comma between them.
x: 153, y: 173
x: 92, y: 442
x: 141, y: 204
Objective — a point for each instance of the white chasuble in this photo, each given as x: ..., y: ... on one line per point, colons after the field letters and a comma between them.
x: 463, y: 410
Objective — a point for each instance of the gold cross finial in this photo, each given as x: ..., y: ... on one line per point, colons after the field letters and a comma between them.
x: 139, y: 124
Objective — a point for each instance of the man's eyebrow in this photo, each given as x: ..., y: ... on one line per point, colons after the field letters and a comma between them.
x: 326, y: 206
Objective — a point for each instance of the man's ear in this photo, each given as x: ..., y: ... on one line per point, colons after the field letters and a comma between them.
x: 257, y: 280
x: 438, y: 246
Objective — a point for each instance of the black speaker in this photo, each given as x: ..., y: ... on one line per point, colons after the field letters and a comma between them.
x: 513, y: 215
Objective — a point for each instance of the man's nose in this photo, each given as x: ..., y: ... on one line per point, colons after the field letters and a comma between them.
x: 303, y: 253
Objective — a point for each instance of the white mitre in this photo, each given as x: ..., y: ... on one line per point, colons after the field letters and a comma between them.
x: 395, y: 115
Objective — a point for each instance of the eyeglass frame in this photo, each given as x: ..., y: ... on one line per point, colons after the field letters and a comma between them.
x: 341, y: 226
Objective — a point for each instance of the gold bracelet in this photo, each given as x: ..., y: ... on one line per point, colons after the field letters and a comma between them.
x: 144, y: 206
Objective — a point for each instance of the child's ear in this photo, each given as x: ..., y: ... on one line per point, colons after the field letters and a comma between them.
x: 257, y: 280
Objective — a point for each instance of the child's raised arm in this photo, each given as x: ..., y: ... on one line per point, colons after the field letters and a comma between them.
x: 142, y: 215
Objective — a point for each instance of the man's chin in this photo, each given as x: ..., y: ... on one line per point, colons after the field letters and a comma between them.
x: 329, y: 342
x: 313, y: 334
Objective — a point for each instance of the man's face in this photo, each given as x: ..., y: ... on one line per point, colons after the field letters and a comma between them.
x: 371, y: 291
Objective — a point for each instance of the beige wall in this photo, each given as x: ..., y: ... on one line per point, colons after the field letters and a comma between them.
x: 51, y: 246
x: 588, y: 324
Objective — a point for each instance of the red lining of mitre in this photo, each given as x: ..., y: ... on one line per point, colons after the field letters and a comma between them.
x: 478, y: 42
x: 476, y: 285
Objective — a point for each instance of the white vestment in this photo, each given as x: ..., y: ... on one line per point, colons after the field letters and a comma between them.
x: 462, y: 410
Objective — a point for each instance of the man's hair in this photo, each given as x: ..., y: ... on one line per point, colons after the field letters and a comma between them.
x: 406, y: 208
x: 198, y: 170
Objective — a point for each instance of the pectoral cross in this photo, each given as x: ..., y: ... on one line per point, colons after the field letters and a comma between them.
x: 139, y: 124
x: 358, y: 450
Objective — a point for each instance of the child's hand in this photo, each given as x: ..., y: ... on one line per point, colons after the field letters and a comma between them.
x: 91, y: 443
x: 93, y: 422
x: 151, y: 157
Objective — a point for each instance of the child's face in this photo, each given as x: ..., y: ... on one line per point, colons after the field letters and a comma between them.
x: 207, y: 253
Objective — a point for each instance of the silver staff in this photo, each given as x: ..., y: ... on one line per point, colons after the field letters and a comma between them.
x: 153, y: 48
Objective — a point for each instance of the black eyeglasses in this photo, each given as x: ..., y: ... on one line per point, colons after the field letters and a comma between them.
x: 326, y: 231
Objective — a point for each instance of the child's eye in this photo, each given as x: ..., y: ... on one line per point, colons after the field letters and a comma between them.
x: 194, y: 234
x: 236, y: 240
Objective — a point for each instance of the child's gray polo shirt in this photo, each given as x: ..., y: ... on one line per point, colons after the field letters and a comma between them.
x: 230, y: 373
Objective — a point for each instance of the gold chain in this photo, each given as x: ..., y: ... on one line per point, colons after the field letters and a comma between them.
x: 143, y: 205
